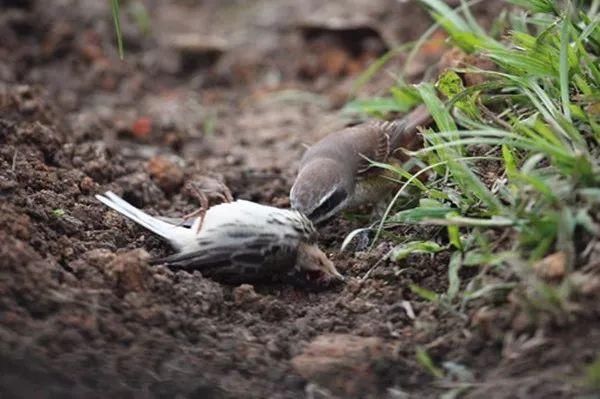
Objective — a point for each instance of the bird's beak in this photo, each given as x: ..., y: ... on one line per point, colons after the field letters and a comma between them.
x: 312, y: 258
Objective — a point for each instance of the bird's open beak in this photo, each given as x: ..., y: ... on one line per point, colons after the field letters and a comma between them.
x: 312, y: 258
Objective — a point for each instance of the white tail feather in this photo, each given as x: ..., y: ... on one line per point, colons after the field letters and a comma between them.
x: 178, y: 236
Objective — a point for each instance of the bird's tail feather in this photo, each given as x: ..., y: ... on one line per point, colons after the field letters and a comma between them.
x: 177, y: 236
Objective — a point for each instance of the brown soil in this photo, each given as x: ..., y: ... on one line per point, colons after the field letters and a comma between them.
x: 82, y: 314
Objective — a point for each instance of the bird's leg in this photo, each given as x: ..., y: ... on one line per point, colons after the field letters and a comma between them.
x: 222, y: 197
x: 225, y: 194
x: 201, y: 212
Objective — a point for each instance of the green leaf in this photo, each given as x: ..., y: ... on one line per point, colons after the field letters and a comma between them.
x: 543, y: 6
x: 509, y: 161
x: 58, y: 212
x: 521, y: 63
x: 478, y: 258
x: 454, y: 236
x: 405, y: 96
x: 438, y: 111
x: 494, y: 221
x: 401, y: 251
x: 451, y: 85
x: 419, y: 214
x: 427, y: 363
x: 424, y: 293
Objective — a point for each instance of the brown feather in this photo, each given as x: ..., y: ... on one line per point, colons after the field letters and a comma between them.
x: 380, y: 147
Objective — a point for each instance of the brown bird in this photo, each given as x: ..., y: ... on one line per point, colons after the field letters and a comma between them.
x: 336, y: 173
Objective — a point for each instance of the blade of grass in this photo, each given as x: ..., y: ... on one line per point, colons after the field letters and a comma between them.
x: 427, y: 363
x: 564, y: 67
x: 438, y: 111
x: 117, y: 23
x: 451, y: 15
x: 453, y: 278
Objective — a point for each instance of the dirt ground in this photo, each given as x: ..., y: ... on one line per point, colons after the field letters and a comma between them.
x: 228, y: 89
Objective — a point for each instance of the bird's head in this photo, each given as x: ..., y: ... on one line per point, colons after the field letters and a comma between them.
x: 322, y: 189
x: 316, y: 265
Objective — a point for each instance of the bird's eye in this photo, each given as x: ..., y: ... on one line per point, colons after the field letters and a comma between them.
x: 336, y: 198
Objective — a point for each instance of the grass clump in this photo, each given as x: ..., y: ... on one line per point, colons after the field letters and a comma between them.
x: 515, y: 156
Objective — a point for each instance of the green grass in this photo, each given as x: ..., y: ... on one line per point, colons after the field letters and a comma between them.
x: 537, y: 117
x: 592, y: 374
x: 115, y: 9
x: 137, y: 12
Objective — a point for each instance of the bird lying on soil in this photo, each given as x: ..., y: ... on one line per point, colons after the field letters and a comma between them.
x: 240, y: 241
x: 336, y: 172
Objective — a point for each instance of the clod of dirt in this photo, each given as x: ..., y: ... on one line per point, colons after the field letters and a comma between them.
x: 244, y: 294
x: 129, y: 271
x: 491, y: 322
x: 339, y: 46
x: 25, y: 102
x: 585, y: 283
x: 552, y: 267
x: 166, y: 173
x: 356, y: 33
x: 522, y: 323
x: 25, y: 99
x: 14, y: 222
x: 58, y: 40
x: 25, y: 275
x: 139, y: 190
x: 87, y: 185
x: 91, y: 265
x: 197, y: 51
x: 456, y: 59
x: 343, y: 363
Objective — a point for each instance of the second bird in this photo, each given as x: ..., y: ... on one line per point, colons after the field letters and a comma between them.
x: 336, y: 172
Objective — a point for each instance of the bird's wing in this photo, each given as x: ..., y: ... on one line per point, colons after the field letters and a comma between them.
x: 389, y: 136
x: 373, y: 147
x: 404, y: 133
x: 248, y: 259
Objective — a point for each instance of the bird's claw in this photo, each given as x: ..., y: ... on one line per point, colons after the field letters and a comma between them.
x: 224, y: 194
x: 204, y: 205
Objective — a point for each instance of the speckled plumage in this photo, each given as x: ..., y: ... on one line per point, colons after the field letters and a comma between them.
x: 238, y: 241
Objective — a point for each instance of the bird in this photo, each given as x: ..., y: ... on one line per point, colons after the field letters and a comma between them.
x: 240, y: 242
x: 336, y: 173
